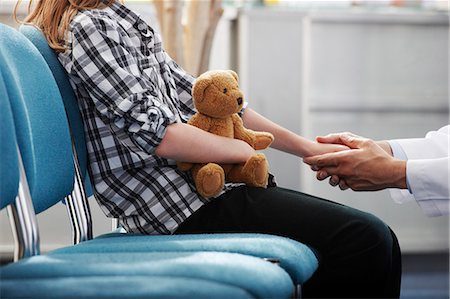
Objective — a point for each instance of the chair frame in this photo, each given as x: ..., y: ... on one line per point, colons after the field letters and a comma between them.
x: 78, y: 205
x: 19, y: 206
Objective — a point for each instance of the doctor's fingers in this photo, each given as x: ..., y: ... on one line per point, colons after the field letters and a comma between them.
x: 322, y: 174
x: 343, y: 185
x: 334, y: 181
x: 320, y: 161
x: 331, y: 172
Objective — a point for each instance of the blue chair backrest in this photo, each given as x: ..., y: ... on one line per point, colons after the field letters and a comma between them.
x: 9, y: 167
x: 70, y: 102
x: 41, y: 125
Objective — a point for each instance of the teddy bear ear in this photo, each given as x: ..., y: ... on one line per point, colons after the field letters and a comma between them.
x: 199, y: 88
x: 234, y: 74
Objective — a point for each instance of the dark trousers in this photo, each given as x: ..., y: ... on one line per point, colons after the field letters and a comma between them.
x: 359, y: 255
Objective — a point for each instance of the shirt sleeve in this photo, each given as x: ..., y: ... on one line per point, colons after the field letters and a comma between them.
x: 399, y: 153
x: 435, y: 145
x: 399, y: 195
x: 429, y: 180
x: 427, y: 171
x: 184, y: 82
x: 397, y: 150
x: 122, y: 96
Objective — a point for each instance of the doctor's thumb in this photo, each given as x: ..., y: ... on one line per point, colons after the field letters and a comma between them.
x: 352, y: 141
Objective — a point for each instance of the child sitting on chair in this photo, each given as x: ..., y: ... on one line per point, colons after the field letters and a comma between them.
x: 135, y: 101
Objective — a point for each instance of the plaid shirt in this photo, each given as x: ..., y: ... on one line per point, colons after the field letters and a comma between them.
x: 129, y: 91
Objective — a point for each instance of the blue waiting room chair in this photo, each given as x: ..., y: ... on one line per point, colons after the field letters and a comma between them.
x: 44, y: 141
x: 296, y: 258
x: 9, y: 172
x: 102, y: 279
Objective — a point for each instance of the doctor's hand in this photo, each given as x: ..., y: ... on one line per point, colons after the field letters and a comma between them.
x: 367, y: 166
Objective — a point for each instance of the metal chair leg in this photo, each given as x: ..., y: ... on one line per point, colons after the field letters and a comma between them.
x: 23, y: 220
x: 297, y: 291
x: 78, y: 206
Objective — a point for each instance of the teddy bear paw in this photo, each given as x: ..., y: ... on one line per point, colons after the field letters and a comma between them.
x: 210, y: 180
x: 257, y: 169
x: 263, y: 140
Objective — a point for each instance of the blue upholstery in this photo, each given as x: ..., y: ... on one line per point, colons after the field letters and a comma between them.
x: 9, y: 167
x: 117, y: 287
x: 258, y: 278
x: 39, y: 112
x: 68, y: 96
x: 33, y: 92
x: 296, y: 258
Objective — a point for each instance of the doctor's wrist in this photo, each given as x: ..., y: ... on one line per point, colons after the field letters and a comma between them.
x: 398, y: 171
x: 385, y: 146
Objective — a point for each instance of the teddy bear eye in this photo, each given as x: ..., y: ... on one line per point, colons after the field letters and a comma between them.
x: 225, y: 90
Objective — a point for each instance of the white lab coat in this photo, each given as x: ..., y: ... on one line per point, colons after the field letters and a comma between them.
x: 427, y: 172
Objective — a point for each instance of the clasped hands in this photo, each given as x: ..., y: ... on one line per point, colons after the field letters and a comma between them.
x: 365, y: 165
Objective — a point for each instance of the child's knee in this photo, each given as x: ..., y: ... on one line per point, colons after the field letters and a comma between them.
x: 377, y: 236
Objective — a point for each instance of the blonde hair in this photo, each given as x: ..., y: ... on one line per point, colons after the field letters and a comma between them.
x: 54, y: 16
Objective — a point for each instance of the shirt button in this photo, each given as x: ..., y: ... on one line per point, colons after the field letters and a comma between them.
x: 142, y: 26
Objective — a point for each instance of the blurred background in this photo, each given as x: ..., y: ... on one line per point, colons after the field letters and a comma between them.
x: 377, y: 68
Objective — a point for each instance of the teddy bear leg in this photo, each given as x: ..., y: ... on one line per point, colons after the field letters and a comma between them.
x: 209, y: 179
x: 255, y: 172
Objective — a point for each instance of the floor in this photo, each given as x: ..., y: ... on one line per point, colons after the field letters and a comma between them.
x: 425, y: 276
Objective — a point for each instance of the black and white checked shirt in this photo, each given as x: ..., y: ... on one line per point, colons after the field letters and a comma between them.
x: 129, y: 91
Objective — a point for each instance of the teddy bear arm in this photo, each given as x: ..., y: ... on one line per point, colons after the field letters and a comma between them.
x: 184, y: 166
x: 242, y: 133
x: 263, y: 140
x: 258, y: 140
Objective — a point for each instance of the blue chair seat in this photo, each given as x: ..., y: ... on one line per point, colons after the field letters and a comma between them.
x: 296, y: 258
x: 256, y: 277
x: 99, y: 287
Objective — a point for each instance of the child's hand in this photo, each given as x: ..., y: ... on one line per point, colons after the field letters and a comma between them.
x: 323, y: 148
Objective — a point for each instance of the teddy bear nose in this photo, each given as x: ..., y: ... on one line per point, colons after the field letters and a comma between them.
x: 239, y: 101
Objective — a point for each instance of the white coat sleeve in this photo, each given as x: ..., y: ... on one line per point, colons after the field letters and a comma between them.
x: 427, y: 172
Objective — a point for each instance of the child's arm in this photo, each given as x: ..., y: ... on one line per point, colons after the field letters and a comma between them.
x: 286, y: 140
x: 183, y: 142
x: 202, y: 122
x: 122, y: 95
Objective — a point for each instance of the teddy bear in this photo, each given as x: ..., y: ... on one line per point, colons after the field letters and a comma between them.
x: 218, y: 99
